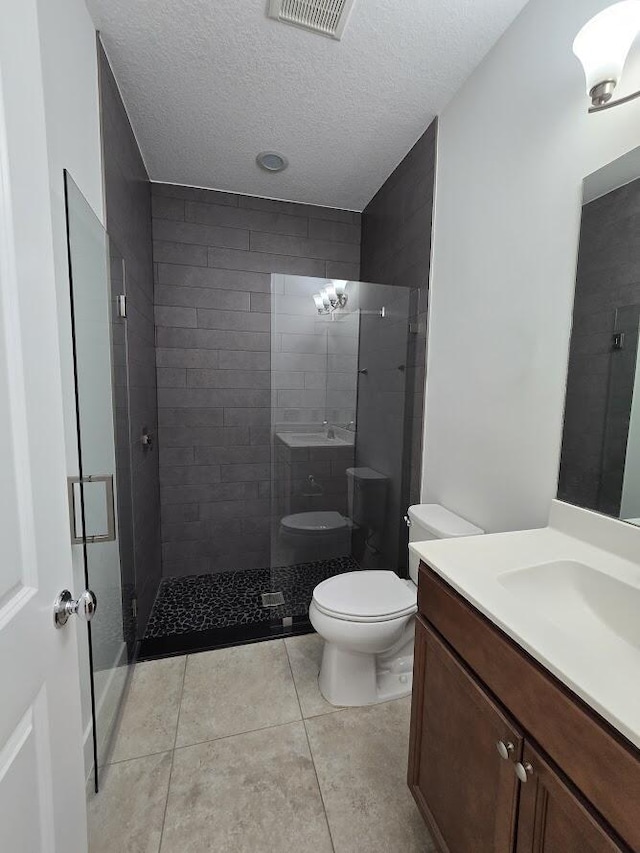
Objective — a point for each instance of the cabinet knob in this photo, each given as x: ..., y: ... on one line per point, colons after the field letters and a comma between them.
x: 504, y: 748
x: 523, y: 771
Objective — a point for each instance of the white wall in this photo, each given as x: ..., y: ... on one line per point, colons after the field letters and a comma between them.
x: 70, y: 82
x: 514, y: 145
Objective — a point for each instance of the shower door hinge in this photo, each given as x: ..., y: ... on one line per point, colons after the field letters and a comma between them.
x: 122, y: 306
x: 618, y: 340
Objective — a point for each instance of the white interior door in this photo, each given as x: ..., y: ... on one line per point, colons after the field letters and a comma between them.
x: 42, y: 801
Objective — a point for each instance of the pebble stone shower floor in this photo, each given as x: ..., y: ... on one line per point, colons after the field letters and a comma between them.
x: 234, y: 598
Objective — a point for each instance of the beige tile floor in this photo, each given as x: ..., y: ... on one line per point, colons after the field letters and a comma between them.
x: 236, y: 751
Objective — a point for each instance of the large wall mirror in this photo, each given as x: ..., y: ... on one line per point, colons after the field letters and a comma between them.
x: 600, y: 461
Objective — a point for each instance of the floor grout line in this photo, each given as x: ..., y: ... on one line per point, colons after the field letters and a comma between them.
x: 173, y: 753
x: 313, y: 762
x: 138, y: 757
x: 184, y: 678
x: 237, y: 734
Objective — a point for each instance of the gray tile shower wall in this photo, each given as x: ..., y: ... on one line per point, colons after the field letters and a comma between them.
x: 396, y: 250
x: 214, y: 254
x: 128, y: 216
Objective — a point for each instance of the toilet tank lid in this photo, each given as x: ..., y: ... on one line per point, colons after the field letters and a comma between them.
x: 441, y: 521
x: 365, y: 473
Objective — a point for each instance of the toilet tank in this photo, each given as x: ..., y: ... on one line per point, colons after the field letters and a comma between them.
x: 432, y: 521
x: 367, y: 497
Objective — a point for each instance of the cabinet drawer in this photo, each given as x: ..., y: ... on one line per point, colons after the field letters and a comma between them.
x: 598, y: 761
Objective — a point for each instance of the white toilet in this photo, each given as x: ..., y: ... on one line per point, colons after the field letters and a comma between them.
x: 308, y: 536
x: 305, y: 537
x: 366, y: 619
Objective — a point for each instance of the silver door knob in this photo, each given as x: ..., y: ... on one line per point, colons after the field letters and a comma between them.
x: 64, y: 606
x: 523, y: 771
x: 504, y: 748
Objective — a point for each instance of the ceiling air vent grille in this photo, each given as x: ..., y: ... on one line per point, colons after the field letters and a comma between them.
x: 327, y: 17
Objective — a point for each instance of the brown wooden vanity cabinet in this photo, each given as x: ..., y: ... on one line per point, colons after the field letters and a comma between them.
x: 552, y: 818
x: 479, y: 764
x: 468, y: 794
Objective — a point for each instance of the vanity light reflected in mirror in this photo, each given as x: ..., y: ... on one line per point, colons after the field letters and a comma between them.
x: 602, y: 46
x: 331, y: 293
x: 332, y: 296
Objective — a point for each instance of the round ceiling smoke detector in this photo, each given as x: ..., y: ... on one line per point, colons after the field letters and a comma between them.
x: 271, y: 161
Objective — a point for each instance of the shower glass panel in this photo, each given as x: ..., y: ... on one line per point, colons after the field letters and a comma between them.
x: 383, y: 413
x: 123, y: 446
x: 99, y: 350
x: 338, y: 383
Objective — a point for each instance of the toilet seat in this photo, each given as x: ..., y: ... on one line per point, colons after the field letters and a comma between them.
x: 313, y: 522
x: 366, y: 596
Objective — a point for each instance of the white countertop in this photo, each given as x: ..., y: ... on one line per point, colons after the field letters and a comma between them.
x: 599, y: 665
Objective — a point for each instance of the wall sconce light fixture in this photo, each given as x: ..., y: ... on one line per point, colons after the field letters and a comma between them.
x: 602, y: 46
x: 331, y: 297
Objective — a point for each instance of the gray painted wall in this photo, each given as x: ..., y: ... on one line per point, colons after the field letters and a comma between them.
x: 128, y: 218
x: 214, y: 254
x: 600, y: 379
x: 396, y: 250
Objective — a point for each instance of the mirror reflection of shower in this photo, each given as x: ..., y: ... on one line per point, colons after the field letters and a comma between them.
x: 338, y: 415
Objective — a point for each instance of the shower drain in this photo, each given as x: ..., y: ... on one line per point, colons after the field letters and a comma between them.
x: 272, y: 599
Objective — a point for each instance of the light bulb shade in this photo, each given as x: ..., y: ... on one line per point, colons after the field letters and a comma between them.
x: 331, y: 293
x: 318, y: 301
x: 340, y: 286
x: 325, y: 298
x: 603, y: 44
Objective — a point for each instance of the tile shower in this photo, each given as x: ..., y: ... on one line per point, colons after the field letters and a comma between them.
x: 250, y: 498
x: 243, y: 362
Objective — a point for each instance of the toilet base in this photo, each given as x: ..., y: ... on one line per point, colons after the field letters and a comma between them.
x: 350, y: 679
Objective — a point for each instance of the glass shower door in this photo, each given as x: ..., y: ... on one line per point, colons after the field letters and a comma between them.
x: 94, y: 510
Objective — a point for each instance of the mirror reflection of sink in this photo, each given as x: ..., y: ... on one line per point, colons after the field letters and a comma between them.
x: 313, y: 439
x: 579, y: 598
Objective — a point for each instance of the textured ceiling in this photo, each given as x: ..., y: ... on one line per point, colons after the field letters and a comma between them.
x: 210, y: 83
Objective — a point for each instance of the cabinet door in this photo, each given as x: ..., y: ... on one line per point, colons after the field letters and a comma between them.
x: 466, y: 792
x: 552, y: 819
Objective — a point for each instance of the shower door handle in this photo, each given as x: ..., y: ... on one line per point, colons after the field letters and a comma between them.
x: 109, y: 534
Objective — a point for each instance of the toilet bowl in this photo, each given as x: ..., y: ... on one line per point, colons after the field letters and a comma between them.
x: 307, y: 536
x: 366, y: 619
